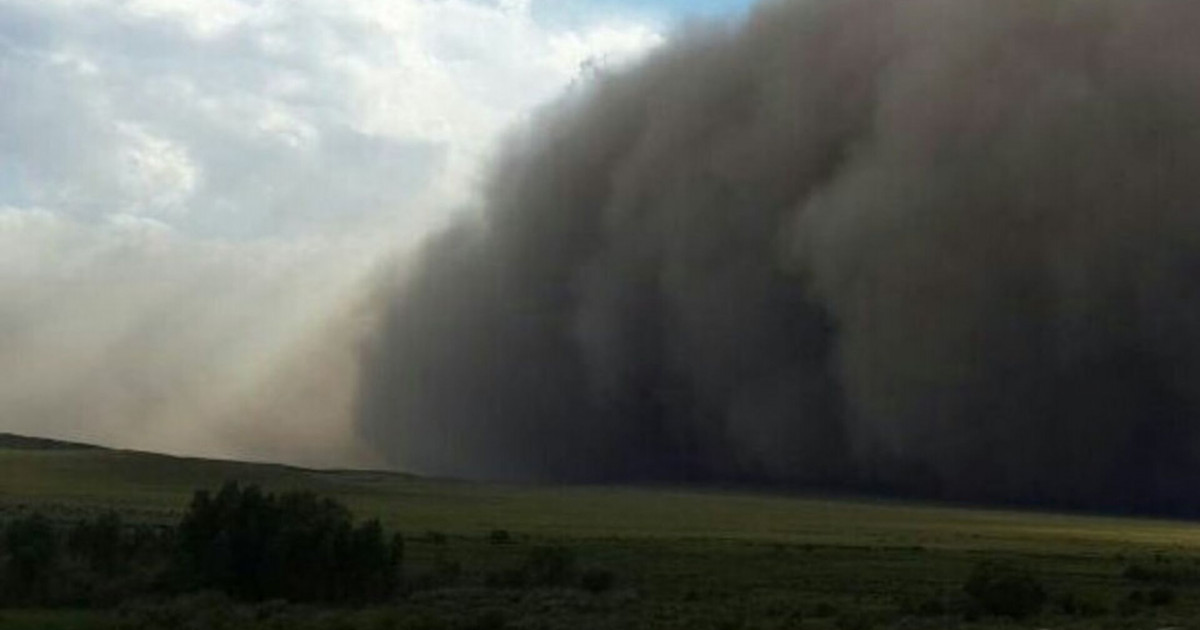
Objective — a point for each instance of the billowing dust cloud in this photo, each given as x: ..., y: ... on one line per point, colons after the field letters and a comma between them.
x: 943, y: 248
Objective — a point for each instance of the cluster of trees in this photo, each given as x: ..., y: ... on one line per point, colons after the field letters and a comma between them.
x: 252, y: 546
x: 96, y: 561
x: 244, y: 542
x: 295, y: 546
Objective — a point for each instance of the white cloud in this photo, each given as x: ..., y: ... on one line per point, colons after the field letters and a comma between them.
x: 190, y: 108
x: 156, y: 174
x: 192, y: 191
x: 203, y: 18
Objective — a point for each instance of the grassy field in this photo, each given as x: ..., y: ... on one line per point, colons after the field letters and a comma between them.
x: 683, y: 558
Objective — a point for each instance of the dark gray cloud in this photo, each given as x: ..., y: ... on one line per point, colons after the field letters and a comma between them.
x: 944, y: 248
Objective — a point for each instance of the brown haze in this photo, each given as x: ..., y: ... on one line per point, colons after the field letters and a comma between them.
x: 939, y: 247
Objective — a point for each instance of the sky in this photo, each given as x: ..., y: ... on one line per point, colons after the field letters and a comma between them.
x: 194, y: 194
x: 661, y: 12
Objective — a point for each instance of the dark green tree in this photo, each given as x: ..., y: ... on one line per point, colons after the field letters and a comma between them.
x: 33, y: 550
x: 296, y: 546
x: 99, y: 543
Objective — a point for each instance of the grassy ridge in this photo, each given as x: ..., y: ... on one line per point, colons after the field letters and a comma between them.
x: 686, y: 558
x: 157, y: 486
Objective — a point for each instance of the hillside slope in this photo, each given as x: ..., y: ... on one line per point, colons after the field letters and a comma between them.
x: 21, y: 442
x: 69, y: 481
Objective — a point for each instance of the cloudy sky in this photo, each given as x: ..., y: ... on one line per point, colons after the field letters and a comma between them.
x: 194, y: 193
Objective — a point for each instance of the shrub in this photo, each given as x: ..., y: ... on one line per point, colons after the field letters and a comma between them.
x: 932, y: 606
x: 486, y: 620
x: 853, y: 620
x: 1130, y: 605
x: 1005, y: 590
x: 500, y: 537
x: 729, y: 621
x: 1160, y: 596
x: 1137, y: 573
x: 597, y: 580
x: 443, y: 573
x: 506, y: 578
x: 99, y: 543
x: 256, y: 546
x: 33, y: 550
x: 1162, y: 573
x: 550, y: 566
x: 1077, y: 606
x: 397, y: 550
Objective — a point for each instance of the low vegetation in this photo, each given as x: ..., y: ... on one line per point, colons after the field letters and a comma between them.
x: 283, y: 551
x: 250, y: 545
x: 1003, y: 589
x: 248, y: 557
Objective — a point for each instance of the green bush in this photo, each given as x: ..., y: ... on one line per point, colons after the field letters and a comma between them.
x: 99, y: 543
x: 1162, y: 573
x: 1137, y: 573
x: 931, y: 607
x: 1005, y: 590
x: 1078, y: 606
x: 550, y: 566
x: 444, y: 573
x: 512, y: 578
x: 1159, y: 596
x: 597, y: 580
x: 486, y: 620
x: 32, y: 548
x: 255, y: 546
x: 853, y: 620
x: 242, y: 542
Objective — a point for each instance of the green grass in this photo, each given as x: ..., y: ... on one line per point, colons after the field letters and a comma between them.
x: 149, y: 487
x: 685, y: 558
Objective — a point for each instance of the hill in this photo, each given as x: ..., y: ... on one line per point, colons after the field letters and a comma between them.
x: 688, y: 555
x: 69, y: 478
x: 21, y: 442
